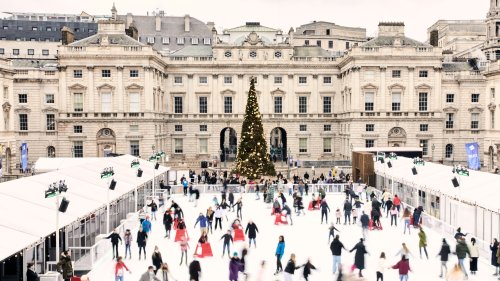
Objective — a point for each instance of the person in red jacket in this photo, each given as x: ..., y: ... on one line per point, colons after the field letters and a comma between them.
x: 404, y: 267
x: 120, y: 268
x: 397, y: 204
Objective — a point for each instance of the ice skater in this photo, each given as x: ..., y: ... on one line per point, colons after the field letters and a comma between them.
x: 280, y: 250
x: 251, y: 230
x: 324, y: 208
x: 227, y: 240
x: 331, y: 232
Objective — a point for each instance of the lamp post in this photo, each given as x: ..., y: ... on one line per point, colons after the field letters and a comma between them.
x: 350, y: 156
x: 157, y: 155
x: 135, y: 165
x: 288, y: 158
x: 106, y: 174
x: 433, y: 147
x: 55, y: 190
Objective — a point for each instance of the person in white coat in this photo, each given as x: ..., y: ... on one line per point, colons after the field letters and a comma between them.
x: 474, y: 255
x: 381, y: 266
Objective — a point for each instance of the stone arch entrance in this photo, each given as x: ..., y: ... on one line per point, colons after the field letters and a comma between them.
x: 491, y: 156
x: 278, y: 144
x: 106, y: 142
x: 228, y: 144
x: 396, y: 137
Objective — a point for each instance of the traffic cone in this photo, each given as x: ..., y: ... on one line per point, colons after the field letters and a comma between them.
x: 310, y: 208
x: 238, y: 235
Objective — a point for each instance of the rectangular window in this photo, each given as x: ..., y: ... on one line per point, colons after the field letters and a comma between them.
x: 45, y: 52
x: 178, y: 146
x: 177, y: 104
x: 134, y: 73
x: 15, y: 52
x: 423, y: 74
x: 206, y: 41
x: 369, y: 101
x: 194, y: 41
x: 475, y: 98
x: 278, y: 104
x: 134, y: 102
x: 51, y: 122
x: 228, y: 80
x: 369, y: 143
x: 396, y: 74
x: 203, y: 128
x: 330, y: 44
x: 178, y: 80
x: 49, y: 28
x: 302, y: 80
x: 370, y: 127
x: 2, y: 51
x: 278, y: 80
x: 474, y: 123
x: 49, y: 98
x: 203, y: 104
x: 492, y: 91
x: 203, y: 80
x: 178, y: 128
x: 422, y: 101
x: 302, y: 127
x: 327, y: 104
x: 151, y: 40
x: 450, y: 98
x: 347, y: 45
x: 133, y: 128
x: 449, y: 120
x: 203, y: 146
x: 180, y: 40
x: 77, y: 73
x: 23, y: 98
x: 23, y: 122
x: 228, y: 104
x: 424, y: 127
x: 327, y: 127
x: 327, y: 145
x: 424, y: 144
x: 318, y: 43
x: 78, y: 102
x: 78, y: 149
x: 302, y: 104
x: 77, y: 129
x: 306, y: 42
x: 106, y: 73
x: 134, y: 148
x: 165, y: 40
x: 327, y: 79
x: 303, y: 145
x: 34, y: 28
x: 31, y: 52
x: 396, y: 101
x: 106, y: 102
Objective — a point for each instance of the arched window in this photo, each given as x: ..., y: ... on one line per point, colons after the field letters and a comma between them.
x: 448, y: 151
x: 51, y: 152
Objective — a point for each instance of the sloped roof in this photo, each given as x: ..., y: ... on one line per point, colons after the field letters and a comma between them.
x: 310, y: 51
x: 383, y: 41
x: 35, y: 63
x: 457, y: 66
x: 250, y: 28
x: 113, y: 39
x: 194, y: 51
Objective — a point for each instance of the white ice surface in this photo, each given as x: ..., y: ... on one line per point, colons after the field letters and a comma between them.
x: 306, y: 238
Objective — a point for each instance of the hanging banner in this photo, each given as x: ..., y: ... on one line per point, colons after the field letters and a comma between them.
x: 472, y: 151
x: 24, y: 157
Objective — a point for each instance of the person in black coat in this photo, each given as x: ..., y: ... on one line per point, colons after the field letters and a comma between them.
x: 365, y: 223
x: 359, y: 257
x: 444, y: 253
x: 251, y: 230
x: 336, y: 247
x: 194, y: 270
x: 324, y: 208
x: 31, y: 274
x: 142, y: 237
x: 347, y: 211
x: 290, y: 266
x: 156, y: 259
x: 167, y: 222
x: 115, y: 237
x: 307, y: 269
x: 494, y: 261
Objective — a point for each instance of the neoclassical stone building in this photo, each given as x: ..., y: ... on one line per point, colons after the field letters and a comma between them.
x: 110, y: 93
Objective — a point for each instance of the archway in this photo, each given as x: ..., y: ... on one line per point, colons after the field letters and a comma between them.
x: 228, y: 144
x: 106, y: 142
x: 491, y: 155
x: 51, y: 151
x: 396, y: 137
x: 8, y: 160
x: 278, y: 144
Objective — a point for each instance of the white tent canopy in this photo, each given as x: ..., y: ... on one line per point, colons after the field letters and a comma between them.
x: 478, y: 188
x: 27, y: 217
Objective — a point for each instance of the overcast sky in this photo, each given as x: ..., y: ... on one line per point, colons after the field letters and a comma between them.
x: 418, y: 15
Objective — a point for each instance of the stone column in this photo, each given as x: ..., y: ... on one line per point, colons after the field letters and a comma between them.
x: 412, y: 98
x: 383, y: 90
x: 90, y: 90
x: 148, y: 90
x: 119, y: 92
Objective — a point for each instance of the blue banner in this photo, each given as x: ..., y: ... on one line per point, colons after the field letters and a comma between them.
x: 472, y: 151
x: 24, y: 156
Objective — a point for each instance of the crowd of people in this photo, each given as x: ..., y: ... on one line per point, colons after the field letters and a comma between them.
x: 361, y: 208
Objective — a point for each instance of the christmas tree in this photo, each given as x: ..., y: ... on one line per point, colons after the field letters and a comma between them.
x: 253, y: 161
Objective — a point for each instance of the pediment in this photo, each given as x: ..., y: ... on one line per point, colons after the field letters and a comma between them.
x: 77, y: 86
x: 450, y: 109
x: 22, y: 108
x: 228, y: 92
x: 134, y: 86
x: 396, y: 86
x: 50, y: 109
x: 476, y: 109
x: 278, y: 92
x: 106, y: 86
x: 423, y: 86
x: 369, y: 86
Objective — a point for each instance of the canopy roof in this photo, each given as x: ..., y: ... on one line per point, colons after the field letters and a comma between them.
x: 27, y: 217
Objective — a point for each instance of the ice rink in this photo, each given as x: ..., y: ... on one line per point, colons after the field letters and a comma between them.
x: 306, y: 238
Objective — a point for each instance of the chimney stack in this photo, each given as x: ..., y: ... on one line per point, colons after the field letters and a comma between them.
x: 158, y: 22
x: 391, y: 29
x: 434, y: 38
x: 68, y: 36
x: 132, y: 31
x: 210, y: 25
x: 187, y: 27
x: 129, y: 20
